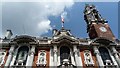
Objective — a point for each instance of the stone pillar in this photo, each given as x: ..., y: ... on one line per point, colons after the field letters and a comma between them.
x: 98, y: 56
x: 77, y: 58
x: 72, y: 58
x: 14, y: 58
x: 10, y: 56
x: 115, y: 54
x: 51, y: 58
x: 113, y: 59
x: 59, y: 59
x: 55, y: 55
x: 30, y: 58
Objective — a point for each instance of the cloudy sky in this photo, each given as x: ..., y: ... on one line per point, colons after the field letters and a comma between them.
x: 119, y: 20
x: 39, y: 18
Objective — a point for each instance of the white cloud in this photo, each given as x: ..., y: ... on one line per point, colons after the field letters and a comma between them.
x: 64, y: 15
x: 53, y: 8
x: 60, y: 0
x: 0, y: 19
x: 33, y: 15
x: 37, y: 0
x: 44, y: 26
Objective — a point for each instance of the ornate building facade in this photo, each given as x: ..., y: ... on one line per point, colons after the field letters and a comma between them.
x: 101, y: 49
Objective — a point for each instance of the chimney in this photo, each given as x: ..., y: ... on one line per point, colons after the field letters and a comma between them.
x: 8, y: 34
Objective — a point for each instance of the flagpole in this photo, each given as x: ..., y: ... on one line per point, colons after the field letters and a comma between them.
x: 62, y: 23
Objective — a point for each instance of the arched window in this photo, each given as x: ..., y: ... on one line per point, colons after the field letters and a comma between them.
x: 22, y: 55
x: 64, y: 54
x: 105, y: 56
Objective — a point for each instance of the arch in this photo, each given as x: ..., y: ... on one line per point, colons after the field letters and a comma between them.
x: 105, y: 55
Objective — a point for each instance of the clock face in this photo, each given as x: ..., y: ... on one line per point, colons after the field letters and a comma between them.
x: 103, y: 29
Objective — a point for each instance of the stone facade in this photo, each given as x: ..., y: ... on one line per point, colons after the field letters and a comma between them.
x: 61, y: 50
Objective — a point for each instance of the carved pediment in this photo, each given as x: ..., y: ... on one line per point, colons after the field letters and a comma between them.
x: 64, y: 38
x: 61, y: 32
x: 24, y: 38
x: 103, y: 40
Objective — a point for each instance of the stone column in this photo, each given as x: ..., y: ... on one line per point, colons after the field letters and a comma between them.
x: 14, y: 58
x: 30, y: 58
x: 77, y: 58
x: 51, y: 58
x: 72, y: 58
x: 98, y: 56
x: 55, y: 55
x: 115, y: 53
x: 113, y: 59
x: 59, y: 59
x: 10, y: 56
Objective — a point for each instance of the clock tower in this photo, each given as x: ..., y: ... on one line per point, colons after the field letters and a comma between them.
x: 97, y: 27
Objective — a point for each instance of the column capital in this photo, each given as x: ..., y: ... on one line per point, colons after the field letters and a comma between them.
x: 11, y: 49
x: 96, y: 51
x: 55, y: 49
x: 75, y: 49
x: 114, y: 51
x: 10, y: 52
x: 32, y: 51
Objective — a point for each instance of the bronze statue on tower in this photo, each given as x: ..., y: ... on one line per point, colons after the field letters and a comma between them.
x: 91, y: 15
x: 97, y: 26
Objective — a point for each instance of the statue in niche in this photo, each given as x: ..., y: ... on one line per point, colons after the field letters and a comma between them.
x: 88, y: 58
x: 41, y: 58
